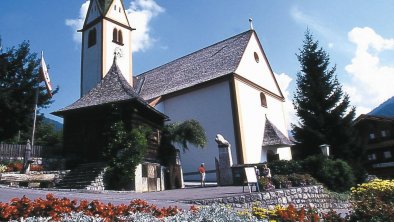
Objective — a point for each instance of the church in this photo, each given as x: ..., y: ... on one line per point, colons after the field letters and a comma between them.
x: 228, y: 87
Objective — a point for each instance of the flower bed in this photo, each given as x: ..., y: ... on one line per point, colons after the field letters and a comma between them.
x: 63, y: 209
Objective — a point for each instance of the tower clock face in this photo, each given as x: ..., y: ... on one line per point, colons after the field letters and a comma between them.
x: 118, y: 52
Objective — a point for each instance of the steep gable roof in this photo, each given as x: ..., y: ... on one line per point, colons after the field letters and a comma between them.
x: 112, y: 88
x: 273, y: 137
x: 104, y: 5
x: 201, y: 66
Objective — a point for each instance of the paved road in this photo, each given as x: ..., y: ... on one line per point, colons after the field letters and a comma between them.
x: 161, y: 199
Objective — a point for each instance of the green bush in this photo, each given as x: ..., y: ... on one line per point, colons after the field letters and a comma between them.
x: 373, y: 201
x: 281, y: 181
x: 285, y: 167
x: 298, y: 180
x: 337, y: 175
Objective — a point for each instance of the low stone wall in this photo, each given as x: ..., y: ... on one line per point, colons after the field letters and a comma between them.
x: 314, y: 196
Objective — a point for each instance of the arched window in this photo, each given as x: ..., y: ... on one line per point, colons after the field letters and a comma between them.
x: 120, y: 37
x: 115, y: 35
x: 263, y: 100
x: 92, y: 38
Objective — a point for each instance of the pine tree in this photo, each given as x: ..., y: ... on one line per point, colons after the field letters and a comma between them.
x: 322, y: 107
x: 19, y: 79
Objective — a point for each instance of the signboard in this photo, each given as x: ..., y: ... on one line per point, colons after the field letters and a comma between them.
x: 250, y: 175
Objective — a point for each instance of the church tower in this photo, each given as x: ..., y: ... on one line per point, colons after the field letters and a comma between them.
x: 106, y: 33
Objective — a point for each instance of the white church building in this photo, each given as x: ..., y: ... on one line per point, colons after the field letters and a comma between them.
x: 229, y: 87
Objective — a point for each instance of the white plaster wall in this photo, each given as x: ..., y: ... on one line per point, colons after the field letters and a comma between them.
x: 91, y: 61
x: 124, y: 62
x: 257, y: 72
x: 211, y: 106
x: 252, y: 121
x: 252, y: 118
x: 116, y: 12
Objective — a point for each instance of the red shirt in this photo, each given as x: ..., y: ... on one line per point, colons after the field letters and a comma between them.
x: 201, y: 169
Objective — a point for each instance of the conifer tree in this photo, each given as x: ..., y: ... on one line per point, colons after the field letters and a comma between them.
x: 325, y: 115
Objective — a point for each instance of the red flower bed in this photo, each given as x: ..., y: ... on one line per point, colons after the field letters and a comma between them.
x: 53, y: 207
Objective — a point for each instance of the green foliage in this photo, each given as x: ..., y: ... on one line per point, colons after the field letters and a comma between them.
x: 373, y: 201
x: 46, y: 135
x: 322, y: 107
x: 285, y: 166
x: 184, y: 133
x: 281, y: 181
x: 125, y: 151
x: 19, y: 79
x: 337, y: 175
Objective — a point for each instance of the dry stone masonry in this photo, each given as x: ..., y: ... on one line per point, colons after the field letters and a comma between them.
x: 313, y: 196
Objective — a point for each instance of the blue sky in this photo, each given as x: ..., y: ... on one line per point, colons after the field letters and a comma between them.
x: 358, y: 35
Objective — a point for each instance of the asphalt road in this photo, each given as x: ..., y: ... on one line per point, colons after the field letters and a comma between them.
x: 161, y: 199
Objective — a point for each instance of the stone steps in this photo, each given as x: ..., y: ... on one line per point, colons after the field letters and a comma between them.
x: 87, y: 176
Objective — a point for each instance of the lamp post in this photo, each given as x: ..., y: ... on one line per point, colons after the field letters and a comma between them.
x: 325, y: 149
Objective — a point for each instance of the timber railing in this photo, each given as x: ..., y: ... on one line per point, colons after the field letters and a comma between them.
x: 16, y: 151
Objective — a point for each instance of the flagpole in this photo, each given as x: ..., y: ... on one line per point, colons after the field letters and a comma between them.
x: 35, y: 108
x: 35, y: 116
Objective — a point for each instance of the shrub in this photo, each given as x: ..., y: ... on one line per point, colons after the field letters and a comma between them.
x: 15, y: 166
x: 281, y: 181
x: 265, y: 184
x: 336, y: 174
x: 285, y: 167
x: 35, y: 167
x: 298, y: 180
x: 373, y: 201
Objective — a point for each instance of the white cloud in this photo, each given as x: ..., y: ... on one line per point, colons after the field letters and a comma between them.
x: 140, y: 13
x: 284, y: 83
x: 371, y: 81
x: 76, y: 24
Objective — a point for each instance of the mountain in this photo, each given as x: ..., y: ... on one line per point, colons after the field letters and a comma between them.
x: 385, y: 109
x: 58, y: 126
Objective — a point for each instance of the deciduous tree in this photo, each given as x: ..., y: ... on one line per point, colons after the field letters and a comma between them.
x: 19, y: 79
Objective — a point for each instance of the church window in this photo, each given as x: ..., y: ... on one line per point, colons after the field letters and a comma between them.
x: 263, y: 100
x: 256, y: 57
x: 115, y: 7
x: 115, y: 35
x: 120, y: 37
x: 92, y: 38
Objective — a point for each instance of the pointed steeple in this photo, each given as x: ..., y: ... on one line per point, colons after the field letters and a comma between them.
x: 104, y: 5
x: 106, y: 31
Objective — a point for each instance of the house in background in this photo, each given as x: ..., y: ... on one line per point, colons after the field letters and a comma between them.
x: 377, y: 131
x: 229, y: 87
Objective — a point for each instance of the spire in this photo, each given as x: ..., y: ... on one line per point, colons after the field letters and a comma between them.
x: 251, y: 23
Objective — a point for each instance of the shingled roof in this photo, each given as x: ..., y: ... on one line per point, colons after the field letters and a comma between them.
x: 201, y: 66
x: 112, y: 88
x: 274, y: 137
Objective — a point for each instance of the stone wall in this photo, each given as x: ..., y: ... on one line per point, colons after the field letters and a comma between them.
x: 314, y: 196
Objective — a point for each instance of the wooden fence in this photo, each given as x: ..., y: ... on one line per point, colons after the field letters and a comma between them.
x: 17, y: 151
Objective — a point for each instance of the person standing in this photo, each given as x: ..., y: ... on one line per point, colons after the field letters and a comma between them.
x: 201, y: 169
x: 266, y: 172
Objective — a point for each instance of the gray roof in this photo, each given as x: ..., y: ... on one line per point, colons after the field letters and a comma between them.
x: 201, y: 66
x: 112, y: 88
x: 274, y: 137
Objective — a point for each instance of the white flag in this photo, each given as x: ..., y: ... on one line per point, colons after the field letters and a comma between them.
x: 45, y: 75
